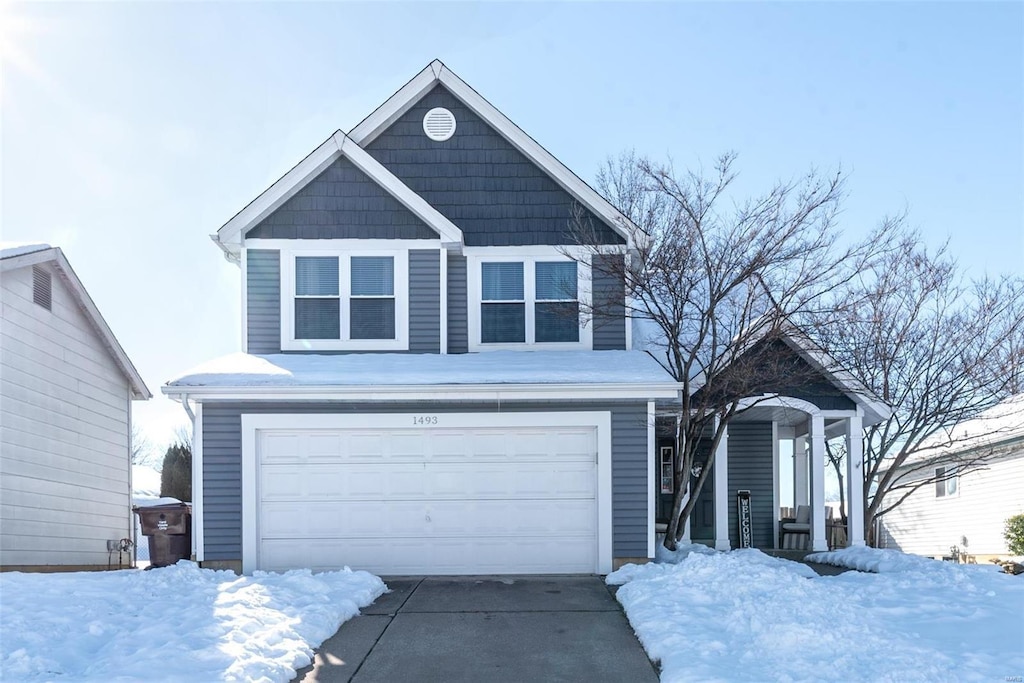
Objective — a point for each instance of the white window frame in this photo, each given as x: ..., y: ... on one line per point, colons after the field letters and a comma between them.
x: 345, y: 343
x: 528, y: 256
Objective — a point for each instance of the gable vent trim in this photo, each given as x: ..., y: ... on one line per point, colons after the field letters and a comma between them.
x: 42, y: 287
x: 439, y: 124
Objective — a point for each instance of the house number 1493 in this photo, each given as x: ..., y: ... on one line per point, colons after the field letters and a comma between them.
x: 424, y: 419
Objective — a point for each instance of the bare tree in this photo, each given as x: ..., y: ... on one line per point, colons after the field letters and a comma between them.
x: 716, y: 280
x: 183, y: 436
x: 141, y: 447
x: 935, y: 347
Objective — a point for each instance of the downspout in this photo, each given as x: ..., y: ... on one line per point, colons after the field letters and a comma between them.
x: 197, y: 465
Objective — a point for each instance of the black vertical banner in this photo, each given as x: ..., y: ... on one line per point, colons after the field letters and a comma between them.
x: 746, y: 526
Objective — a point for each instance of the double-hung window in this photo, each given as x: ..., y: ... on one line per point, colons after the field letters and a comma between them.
x: 529, y: 301
x: 345, y: 302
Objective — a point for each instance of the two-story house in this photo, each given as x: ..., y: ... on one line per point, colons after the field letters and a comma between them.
x: 422, y: 389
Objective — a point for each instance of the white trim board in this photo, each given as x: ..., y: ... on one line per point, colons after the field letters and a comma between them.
x: 252, y: 423
x: 463, y: 392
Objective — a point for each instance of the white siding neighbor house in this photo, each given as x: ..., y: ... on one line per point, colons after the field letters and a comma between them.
x: 66, y: 391
x: 967, y: 510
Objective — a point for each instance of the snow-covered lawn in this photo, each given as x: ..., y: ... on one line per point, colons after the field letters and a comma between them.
x: 745, y: 616
x: 179, y: 623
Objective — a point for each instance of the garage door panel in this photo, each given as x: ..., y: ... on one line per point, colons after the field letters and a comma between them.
x: 414, y: 501
x: 413, y: 555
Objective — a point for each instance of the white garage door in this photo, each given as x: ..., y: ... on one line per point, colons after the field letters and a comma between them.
x: 481, y: 500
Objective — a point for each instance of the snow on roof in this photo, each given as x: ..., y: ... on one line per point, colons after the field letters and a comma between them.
x: 396, y: 369
x: 12, y: 249
x: 1000, y: 423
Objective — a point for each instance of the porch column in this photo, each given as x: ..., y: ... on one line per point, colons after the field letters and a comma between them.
x: 855, y: 480
x: 800, y: 471
x: 722, y: 492
x: 819, y: 542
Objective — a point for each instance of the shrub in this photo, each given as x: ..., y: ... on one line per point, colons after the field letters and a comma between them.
x: 1013, y: 532
x: 176, y: 475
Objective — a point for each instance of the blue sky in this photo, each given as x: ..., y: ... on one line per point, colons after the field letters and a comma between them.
x: 130, y: 132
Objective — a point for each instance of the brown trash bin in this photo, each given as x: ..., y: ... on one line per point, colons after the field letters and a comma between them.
x: 169, y: 528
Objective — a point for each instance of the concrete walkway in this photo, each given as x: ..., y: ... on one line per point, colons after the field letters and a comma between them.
x: 486, y: 629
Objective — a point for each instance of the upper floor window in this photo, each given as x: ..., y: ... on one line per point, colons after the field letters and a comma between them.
x: 526, y: 300
x: 345, y: 302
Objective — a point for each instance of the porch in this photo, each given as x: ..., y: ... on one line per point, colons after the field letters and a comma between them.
x: 773, y: 456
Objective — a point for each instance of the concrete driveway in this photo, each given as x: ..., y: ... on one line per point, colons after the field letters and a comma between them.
x: 486, y: 628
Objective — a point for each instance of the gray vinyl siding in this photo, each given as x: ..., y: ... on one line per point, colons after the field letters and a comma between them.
x: 342, y: 203
x: 750, y: 468
x: 629, y: 481
x: 222, y: 467
x: 425, y: 301
x: 458, y: 325
x: 609, y: 303
x: 810, y: 385
x: 479, y: 181
x: 263, y: 300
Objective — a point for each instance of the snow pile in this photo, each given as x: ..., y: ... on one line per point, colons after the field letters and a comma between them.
x: 879, y: 560
x: 180, y: 623
x: 12, y: 249
x: 682, y: 551
x: 747, y: 617
x: 145, y: 483
x: 396, y: 369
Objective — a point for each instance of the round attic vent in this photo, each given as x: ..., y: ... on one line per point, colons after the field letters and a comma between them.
x: 439, y: 124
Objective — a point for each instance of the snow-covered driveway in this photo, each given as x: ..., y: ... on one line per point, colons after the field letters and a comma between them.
x: 179, y: 623
x: 744, y: 616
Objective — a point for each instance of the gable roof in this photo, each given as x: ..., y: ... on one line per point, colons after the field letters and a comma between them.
x: 436, y: 72
x: 232, y: 233
x: 230, y: 236
x: 22, y: 256
x: 875, y: 409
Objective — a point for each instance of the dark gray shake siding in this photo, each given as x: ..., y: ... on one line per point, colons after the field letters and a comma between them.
x: 222, y: 466
x: 750, y: 468
x: 479, y: 181
x: 609, y: 292
x: 458, y: 335
x: 263, y: 301
x: 342, y: 203
x: 425, y: 301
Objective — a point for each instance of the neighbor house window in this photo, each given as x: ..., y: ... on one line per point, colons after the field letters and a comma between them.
x: 342, y: 301
x: 42, y: 287
x: 945, y: 482
x: 529, y: 302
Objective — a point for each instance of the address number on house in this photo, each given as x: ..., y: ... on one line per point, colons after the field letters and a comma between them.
x: 424, y: 419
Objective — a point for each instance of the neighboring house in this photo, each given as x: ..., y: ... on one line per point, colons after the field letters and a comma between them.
x: 421, y: 390
x: 966, y: 510
x: 66, y: 392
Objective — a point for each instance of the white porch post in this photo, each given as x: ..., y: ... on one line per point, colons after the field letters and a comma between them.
x: 855, y: 480
x: 818, y: 540
x: 722, y: 492
x: 800, y: 471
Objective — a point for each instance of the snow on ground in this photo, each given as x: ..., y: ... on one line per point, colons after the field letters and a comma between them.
x: 745, y: 616
x: 179, y: 623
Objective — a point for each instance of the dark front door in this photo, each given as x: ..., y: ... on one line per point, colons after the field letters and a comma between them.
x: 702, y: 521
